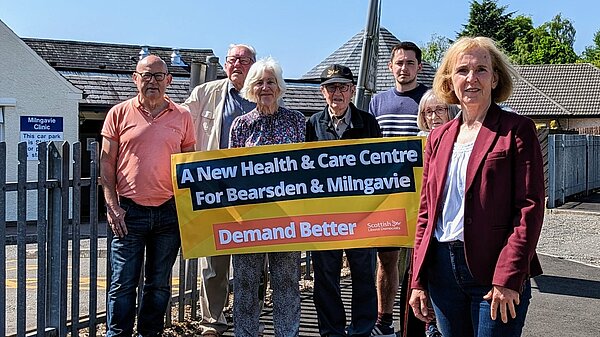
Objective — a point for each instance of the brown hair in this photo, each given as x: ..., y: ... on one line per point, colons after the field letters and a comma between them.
x: 407, y: 45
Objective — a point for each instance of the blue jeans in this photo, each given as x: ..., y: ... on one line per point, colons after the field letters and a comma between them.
x: 154, y: 230
x: 458, y: 301
x: 328, y: 298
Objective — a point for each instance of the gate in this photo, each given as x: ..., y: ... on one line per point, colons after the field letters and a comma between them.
x: 64, y: 302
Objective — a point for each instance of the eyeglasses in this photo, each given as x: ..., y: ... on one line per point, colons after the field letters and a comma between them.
x: 243, y: 60
x: 148, y: 76
x: 332, y: 88
x: 439, y: 111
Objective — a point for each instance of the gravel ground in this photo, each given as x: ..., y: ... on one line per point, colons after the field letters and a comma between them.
x: 572, y: 236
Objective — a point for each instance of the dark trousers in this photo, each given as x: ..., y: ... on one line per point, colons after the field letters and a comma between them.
x: 152, y: 231
x: 327, y: 293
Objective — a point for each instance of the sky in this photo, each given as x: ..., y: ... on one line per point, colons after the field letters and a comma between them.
x: 299, y: 34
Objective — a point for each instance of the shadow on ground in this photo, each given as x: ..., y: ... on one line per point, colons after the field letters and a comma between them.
x: 568, y: 286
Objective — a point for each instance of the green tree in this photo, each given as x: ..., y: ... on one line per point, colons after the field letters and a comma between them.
x: 490, y: 20
x: 520, y: 26
x: 591, y: 53
x: 434, y: 50
x: 561, y: 29
x: 550, y: 43
x: 538, y: 46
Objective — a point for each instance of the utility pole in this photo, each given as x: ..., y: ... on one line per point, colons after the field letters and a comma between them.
x: 367, y: 73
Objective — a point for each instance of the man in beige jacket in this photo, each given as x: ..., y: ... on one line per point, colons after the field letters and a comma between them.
x: 214, y: 105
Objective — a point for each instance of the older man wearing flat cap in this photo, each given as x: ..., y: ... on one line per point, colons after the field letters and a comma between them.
x: 341, y: 119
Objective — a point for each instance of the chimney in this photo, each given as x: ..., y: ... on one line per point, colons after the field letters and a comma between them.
x: 144, y: 52
x: 176, y: 59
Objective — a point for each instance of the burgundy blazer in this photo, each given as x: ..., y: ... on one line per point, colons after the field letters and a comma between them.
x: 504, y: 199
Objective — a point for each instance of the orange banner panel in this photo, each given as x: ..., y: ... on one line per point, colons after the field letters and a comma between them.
x: 310, y: 228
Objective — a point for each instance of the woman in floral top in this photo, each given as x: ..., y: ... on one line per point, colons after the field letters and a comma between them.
x: 267, y: 124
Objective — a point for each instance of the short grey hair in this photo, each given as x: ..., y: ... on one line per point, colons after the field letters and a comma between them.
x: 430, y: 94
x: 241, y: 45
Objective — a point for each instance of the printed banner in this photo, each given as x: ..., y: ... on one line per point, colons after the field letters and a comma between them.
x: 308, y: 196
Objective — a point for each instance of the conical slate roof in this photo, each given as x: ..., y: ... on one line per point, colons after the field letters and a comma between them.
x: 349, y: 55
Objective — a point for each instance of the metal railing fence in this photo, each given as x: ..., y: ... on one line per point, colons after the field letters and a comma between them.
x: 573, y: 166
x: 64, y: 301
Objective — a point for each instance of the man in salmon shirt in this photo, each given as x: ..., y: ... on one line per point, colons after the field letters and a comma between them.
x: 139, y: 136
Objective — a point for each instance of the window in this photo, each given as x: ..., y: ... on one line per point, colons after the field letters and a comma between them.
x: 4, y: 104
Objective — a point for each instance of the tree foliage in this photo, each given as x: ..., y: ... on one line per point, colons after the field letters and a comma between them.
x: 538, y: 46
x: 550, y: 43
x: 520, y: 25
x: 490, y: 20
x: 561, y: 29
x: 591, y: 53
x: 434, y: 50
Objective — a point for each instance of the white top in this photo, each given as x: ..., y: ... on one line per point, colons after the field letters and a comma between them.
x: 450, y: 225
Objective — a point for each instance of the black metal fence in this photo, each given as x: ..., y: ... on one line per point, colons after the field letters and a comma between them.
x: 49, y: 248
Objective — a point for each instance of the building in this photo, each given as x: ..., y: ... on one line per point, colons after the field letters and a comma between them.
x: 568, y: 95
x: 36, y: 104
x: 102, y: 71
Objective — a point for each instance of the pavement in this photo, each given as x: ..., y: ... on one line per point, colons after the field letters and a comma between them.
x: 584, y: 204
x: 565, y: 302
x: 565, y: 299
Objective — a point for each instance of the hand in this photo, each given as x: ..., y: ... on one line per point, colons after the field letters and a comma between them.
x: 506, y: 299
x: 419, y: 303
x: 116, y: 220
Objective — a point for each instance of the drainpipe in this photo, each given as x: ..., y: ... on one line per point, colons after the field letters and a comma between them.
x: 367, y: 72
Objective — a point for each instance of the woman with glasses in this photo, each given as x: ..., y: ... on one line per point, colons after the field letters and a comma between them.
x: 267, y: 124
x: 433, y: 113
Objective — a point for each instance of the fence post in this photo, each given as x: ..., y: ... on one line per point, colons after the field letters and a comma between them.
x: 57, y: 238
x: 41, y: 239
x: 92, y: 146
x: 21, y: 238
x: 563, y: 167
x: 75, y: 239
x: 551, y: 171
x: 181, y: 288
x: 3, y: 236
x: 307, y: 275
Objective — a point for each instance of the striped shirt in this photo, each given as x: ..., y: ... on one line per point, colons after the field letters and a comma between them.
x: 396, y: 112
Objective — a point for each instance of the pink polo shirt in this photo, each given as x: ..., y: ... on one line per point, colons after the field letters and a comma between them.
x: 145, y: 147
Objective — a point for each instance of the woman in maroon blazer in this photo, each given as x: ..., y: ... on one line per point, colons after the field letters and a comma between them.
x: 482, y: 202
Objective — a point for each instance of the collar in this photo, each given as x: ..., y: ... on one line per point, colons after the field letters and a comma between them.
x: 230, y: 86
x: 138, y: 105
x: 345, y: 118
x: 355, y: 118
